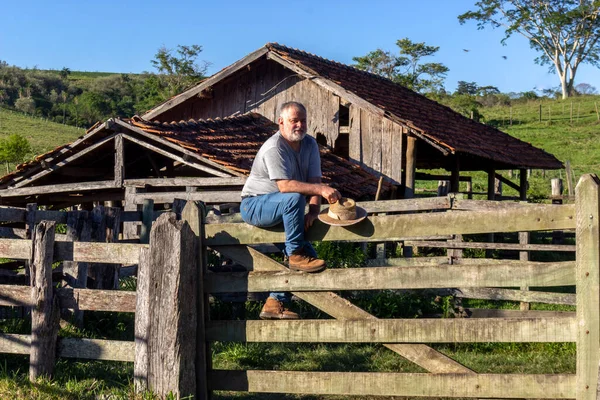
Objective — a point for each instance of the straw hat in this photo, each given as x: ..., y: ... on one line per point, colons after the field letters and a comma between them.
x: 343, y: 212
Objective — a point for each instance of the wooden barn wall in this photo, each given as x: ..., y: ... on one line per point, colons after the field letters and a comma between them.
x: 376, y: 143
x: 262, y: 88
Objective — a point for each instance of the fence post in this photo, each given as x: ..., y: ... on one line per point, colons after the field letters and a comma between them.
x: 172, y: 315
x: 78, y: 229
x: 193, y: 214
x: 587, y: 205
x: 142, y: 323
x: 45, y: 312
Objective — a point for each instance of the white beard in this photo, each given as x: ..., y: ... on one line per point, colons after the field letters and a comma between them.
x: 297, y: 137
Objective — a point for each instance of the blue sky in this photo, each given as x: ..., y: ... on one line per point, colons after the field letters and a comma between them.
x: 123, y: 36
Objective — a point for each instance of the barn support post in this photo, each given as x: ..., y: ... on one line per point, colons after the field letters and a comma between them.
x: 411, y: 167
x: 29, y: 227
x: 76, y: 273
x: 147, y: 219
x: 119, y: 161
x: 45, y: 313
x: 455, y: 176
x: 587, y: 276
x: 169, y: 296
x: 523, y: 184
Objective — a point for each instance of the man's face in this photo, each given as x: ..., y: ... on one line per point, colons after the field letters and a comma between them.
x: 292, y: 124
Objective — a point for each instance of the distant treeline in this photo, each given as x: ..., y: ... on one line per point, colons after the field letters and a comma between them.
x: 82, y: 99
x: 79, y: 100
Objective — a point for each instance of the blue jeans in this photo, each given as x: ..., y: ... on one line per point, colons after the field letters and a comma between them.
x: 274, y: 208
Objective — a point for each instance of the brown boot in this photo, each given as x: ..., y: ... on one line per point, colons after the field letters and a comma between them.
x: 303, y: 262
x: 273, y: 309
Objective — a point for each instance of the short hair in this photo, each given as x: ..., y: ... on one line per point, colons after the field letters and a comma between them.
x: 291, y: 104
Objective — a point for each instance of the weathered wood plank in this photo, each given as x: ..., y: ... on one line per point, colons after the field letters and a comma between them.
x: 58, y: 188
x: 342, y: 309
x: 193, y: 214
x: 396, y: 384
x: 45, y: 313
x: 515, y: 295
x: 97, y: 300
x: 496, y: 246
x: 407, y: 262
x: 375, y: 137
x: 12, y: 214
x: 119, y: 167
x: 224, y: 196
x: 587, y: 200
x: 117, y: 253
x: 458, y: 330
x: 183, y: 181
x: 172, y: 313
x: 422, y: 277
x: 481, y: 205
x: 493, y: 313
x: 354, y: 141
x: 142, y: 323
x: 388, y: 227
x: 96, y: 349
x: 397, y: 152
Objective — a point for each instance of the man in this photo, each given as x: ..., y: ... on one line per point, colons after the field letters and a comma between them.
x: 287, y: 168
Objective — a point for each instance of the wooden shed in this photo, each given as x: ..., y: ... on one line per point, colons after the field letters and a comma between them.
x: 133, y: 159
x: 386, y: 128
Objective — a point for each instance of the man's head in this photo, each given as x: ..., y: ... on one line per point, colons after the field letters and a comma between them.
x: 292, y: 121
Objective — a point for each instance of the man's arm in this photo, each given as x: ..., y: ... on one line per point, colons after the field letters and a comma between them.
x: 309, y: 189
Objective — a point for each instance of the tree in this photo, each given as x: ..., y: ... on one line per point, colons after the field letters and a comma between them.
x: 585, y: 88
x: 182, y: 69
x: 566, y: 33
x: 14, y: 149
x: 407, y: 68
x: 25, y: 104
x: 64, y: 73
x: 470, y: 88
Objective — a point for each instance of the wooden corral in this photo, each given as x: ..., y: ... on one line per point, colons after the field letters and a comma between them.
x: 429, y: 219
x: 386, y: 128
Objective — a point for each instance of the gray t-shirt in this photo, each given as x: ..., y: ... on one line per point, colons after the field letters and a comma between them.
x: 277, y: 160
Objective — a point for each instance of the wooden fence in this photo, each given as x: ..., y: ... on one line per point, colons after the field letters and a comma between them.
x: 173, y: 332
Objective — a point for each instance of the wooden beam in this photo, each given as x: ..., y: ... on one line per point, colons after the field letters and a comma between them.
x: 587, y: 193
x: 495, y: 246
x: 494, y: 313
x: 115, y: 253
x: 523, y: 185
x: 391, y: 227
x: 455, y: 175
x: 515, y: 295
x: 233, y: 68
x: 58, y: 188
x: 95, y: 349
x: 423, y: 176
x: 224, y: 196
x: 480, y: 205
x: 175, y: 157
x: 61, y: 164
x: 411, y: 166
x: 507, y: 182
x: 199, y: 182
x: 457, y: 330
x: 422, y: 277
x: 119, y: 168
x: 362, y: 384
x: 491, y: 192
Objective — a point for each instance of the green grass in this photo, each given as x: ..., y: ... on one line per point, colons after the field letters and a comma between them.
x: 42, y: 134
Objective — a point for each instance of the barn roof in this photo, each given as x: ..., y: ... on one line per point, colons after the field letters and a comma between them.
x: 234, y: 141
x: 227, y: 146
x: 440, y: 126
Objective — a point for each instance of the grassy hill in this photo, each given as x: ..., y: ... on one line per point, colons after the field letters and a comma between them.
x: 42, y: 134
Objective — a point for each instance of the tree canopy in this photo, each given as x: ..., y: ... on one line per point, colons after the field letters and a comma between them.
x: 566, y: 33
x: 407, y: 68
x: 182, y: 69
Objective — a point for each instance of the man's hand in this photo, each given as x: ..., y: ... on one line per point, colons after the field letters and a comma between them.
x: 330, y: 194
x: 309, y: 219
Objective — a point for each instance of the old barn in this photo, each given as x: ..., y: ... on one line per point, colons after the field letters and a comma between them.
x: 386, y: 128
